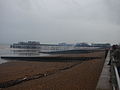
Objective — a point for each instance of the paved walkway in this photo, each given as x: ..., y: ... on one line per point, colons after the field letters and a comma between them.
x: 103, y: 83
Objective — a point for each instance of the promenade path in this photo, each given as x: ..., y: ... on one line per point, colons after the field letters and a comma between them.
x: 104, y: 80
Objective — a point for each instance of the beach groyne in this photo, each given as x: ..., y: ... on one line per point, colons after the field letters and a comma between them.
x: 73, y: 51
x: 36, y: 76
x: 48, y: 58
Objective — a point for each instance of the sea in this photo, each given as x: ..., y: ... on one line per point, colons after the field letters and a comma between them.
x: 5, y: 50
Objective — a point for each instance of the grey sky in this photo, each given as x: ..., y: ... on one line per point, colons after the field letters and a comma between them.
x: 53, y: 21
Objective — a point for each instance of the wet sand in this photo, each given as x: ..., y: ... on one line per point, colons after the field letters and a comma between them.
x: 82, y: 76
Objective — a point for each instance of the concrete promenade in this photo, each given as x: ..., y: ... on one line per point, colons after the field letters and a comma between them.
x: 104, y: 80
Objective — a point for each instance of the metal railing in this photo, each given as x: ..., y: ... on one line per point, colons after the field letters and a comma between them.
x: 115, y: 75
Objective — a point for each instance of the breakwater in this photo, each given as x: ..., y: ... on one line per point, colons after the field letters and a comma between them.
x: 48, y: 59
x: 36, y: 76
x: 73, y: 51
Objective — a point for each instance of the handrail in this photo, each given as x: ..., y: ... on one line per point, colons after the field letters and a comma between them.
x: 116, y: 74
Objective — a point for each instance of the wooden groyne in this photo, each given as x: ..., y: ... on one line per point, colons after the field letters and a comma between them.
x: 36, y: 76
x: 47, y: 58
x: 73, y: 51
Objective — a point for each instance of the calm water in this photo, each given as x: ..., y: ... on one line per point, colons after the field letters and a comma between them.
x: 5, y: 50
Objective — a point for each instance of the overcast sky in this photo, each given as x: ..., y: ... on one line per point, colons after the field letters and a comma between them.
x: 54, y: 21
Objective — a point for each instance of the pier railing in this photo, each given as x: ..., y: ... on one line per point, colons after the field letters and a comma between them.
x: 115, y: 78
